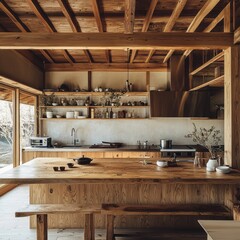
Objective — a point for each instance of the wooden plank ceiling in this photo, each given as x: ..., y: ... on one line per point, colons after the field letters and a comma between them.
x: 99, y: 16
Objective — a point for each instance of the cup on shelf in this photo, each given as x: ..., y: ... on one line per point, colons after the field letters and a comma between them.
x: 76, y: 114
x: 69, y: 114
x: 49, y: 114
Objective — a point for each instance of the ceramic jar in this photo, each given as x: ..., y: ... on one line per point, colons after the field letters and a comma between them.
x: 212, y: 164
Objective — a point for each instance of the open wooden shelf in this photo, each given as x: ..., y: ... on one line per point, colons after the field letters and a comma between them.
x: 94, y: 93
x: 67, y: 119
x: 206, y: 64
x: 145, y: 106
x: 217, y: 82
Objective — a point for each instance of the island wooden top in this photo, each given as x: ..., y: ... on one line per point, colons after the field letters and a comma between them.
x: 40, y: 170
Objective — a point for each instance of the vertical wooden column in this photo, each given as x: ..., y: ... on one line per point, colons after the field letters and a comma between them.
x: 42, y: 227
x: 16, y: 127
x: 89, y: 81
x: 232, y: 106
x: 89, y: 228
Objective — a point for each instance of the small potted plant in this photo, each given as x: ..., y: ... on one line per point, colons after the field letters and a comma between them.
x: 210, y: 139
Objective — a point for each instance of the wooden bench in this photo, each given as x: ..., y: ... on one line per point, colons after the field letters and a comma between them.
x: 42, y: 210
x: 112, y: 210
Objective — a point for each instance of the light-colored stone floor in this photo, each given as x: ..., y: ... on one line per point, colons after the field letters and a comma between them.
x: 12, y: 228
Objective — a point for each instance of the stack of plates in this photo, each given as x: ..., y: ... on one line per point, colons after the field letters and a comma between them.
x: 223, y: 169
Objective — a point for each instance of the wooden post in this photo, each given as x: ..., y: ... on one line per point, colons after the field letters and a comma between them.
x: 110, y: 227
x: 232, y: 106
x: 16, y: 128
x: 89, y: 81
x: 42, y: 227
x: 89, y: 230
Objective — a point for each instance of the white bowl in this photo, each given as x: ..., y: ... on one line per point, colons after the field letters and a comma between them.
x: 162, y: 163
x: 223, y: 169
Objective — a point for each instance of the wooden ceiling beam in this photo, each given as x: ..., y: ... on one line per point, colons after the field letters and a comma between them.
x: 36, y: 8
x: 15, y: 19
x: 210, y: 27
x: 145, y: 41
x: 97, y: 16
x: 42, y: 16
x: 129, y: 16
x: 68, y: 13
x: 204, y: 11
x: 171, y: 22
x: 106, y: 67
x: 146, y: 23
x: 21, y: 26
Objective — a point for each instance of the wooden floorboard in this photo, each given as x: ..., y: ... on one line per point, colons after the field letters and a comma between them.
x: 18, y: 228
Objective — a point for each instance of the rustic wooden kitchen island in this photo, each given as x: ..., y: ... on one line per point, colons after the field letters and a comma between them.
x: 122, y: 181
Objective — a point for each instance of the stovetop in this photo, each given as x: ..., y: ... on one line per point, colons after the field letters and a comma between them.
x: 179, y: 148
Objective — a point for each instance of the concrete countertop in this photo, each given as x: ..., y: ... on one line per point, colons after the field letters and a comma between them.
x: 85, y: 148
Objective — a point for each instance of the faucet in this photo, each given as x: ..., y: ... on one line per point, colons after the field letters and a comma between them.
x: 73, y: 132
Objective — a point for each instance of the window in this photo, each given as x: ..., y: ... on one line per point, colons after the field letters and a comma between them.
x: 27, y: 118
x: 6, y: 128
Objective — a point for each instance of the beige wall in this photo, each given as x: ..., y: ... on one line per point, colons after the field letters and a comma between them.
x: 17, y: 68
x: 126, y: 131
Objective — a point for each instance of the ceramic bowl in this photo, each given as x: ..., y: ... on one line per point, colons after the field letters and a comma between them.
x: 162, y: 163
x: 223, y: 169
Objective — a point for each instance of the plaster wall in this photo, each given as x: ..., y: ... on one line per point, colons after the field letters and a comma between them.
x: 17, y: 68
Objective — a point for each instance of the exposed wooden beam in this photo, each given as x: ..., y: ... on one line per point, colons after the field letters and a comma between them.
x: 146, y: 23
x: 38, y: 11
x: 209, y: 28
x: 129, y: 16
x: 148, y: 40
x: 69, y: 14
x: 15, y: 19
x: 171, y: 22
x: 36, y: 8
x: 99, y: 24
x: 97, y: 15
x: 88, y: 55
x: 204, y: 11
x: 237, y: 36
x: 106, y: 67
x: 47, y: 56
x: 20, y: 25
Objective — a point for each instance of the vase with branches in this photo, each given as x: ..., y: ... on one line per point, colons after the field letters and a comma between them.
x: 210, y: 139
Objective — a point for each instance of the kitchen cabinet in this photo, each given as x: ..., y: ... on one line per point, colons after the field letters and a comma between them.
x: 132, y: 105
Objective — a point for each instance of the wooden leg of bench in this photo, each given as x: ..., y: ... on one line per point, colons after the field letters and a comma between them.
x: 42, y: 228
x: 89, y: 229
x: 110, y: 227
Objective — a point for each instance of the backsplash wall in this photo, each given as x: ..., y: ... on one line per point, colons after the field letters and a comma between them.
x: 127, y: 131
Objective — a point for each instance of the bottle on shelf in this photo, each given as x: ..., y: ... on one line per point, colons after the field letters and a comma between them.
x: 107, y: 114
x: 127, y: 85
x: 92, y: 113
x: 111, y: 114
